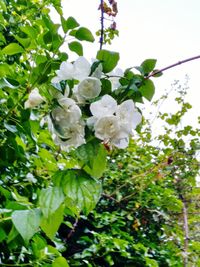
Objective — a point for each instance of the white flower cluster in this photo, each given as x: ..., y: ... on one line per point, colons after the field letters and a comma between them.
x: 110, y: 122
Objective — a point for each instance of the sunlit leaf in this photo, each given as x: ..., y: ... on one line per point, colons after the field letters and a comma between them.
x: 26, y: 222
x: 109, y: 59
x: 50, y: 200
x: 84, y: 34
x: 12, y: 49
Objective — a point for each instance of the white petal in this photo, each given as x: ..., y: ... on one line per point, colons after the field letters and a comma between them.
x: 128, y: 116
x: 106, y: 127
x: 82, y: 68
x: 55, y: 79
x: 137, y: 119
x: 66, y: 70
x: 34, y: 99
x: 120, y: 142
x: 91, y: 121
x: 115, y: 80
x: 89, y: 88
x: 107, y: 105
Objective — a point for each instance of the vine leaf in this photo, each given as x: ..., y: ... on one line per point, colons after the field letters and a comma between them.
x: 50, y: 200
x: 26, y: 222
x: 83, y: 191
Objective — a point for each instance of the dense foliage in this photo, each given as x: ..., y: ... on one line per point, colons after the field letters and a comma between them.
x: 52, y: 178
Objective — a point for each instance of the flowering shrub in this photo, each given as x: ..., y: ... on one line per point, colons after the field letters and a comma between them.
x: 89, y: 101
x: 58, y: 121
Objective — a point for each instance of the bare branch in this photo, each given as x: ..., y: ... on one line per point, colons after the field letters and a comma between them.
x: 153, y: 73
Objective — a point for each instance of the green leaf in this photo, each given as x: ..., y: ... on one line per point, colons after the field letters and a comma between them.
x: 109, y: 59
x: 3, y: 235
x: 60, y: 262
x: 2, y: 38
x: 26, y: 222
x: 23, y: 41
x: 157, y: 73
x: 147, y: 89
x: 12, y: 49
x: 76, y: 47
x: 30, y: 31
x: 50, y: 200
x: 77, y: 185
x: 5, y: 70
x: 148, y: 65
x: 69, y: 24
x: 3, y: 6
x: 84, y: 34
x: 93, y: 157
x: 51, y: 224
x: 99, y: 163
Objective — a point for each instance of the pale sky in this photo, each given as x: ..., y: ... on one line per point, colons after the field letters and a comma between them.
x: 167, y: 30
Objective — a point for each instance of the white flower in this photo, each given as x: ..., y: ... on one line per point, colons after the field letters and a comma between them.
x: 117, y: 74
x: 109, y: 130
x: 68, y: 113
x: 89, y: 88
x: 34, y: 99
x: 107, y: 105
x: 128, y: 116
x: 73, y: 136
x: 78, y: 70
x: 106, y: 127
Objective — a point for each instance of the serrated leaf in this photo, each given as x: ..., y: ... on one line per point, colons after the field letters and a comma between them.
x: 26, y: 222
x: 147, y: 89
x: 109, y: 59
x: 84, y: 34
x: 76, y: 47
x: 50, y: 200
x: 78, y: 186
x: 51, y: 224
x: 60, y: 262
x: 12, y: 49
x: 147, y: 66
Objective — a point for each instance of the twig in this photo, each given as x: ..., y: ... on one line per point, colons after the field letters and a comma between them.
x: 73, y: 229
x: 172, y: 66
x: 102, y: 24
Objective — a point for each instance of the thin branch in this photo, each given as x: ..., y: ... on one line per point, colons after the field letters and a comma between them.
x: 172, y: 66
x: 102, y: 24
x: 73, y: 229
